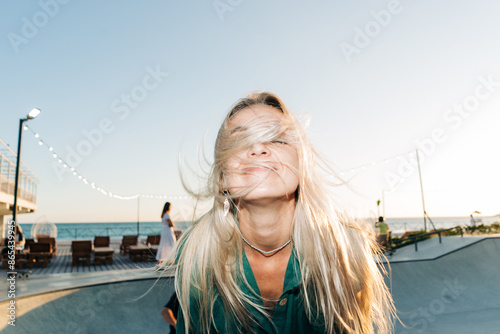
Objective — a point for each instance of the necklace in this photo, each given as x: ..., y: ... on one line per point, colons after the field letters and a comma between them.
x: 269, y: 253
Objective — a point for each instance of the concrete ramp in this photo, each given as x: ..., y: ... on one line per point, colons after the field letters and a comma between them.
x: 107, y: 308
x: 456, y: 293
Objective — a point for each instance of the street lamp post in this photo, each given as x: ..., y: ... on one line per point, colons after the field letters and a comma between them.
x: 32, y: 114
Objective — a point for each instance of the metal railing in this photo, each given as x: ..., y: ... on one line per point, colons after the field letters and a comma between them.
x: 415, y: 238
x: 28, y: 181
x: 91, y: 232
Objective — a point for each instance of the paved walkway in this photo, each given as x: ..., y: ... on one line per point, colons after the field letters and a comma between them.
x: 123, y: 307
x: 431, y: 249
x: 62, y: 262
x: 450, y: 287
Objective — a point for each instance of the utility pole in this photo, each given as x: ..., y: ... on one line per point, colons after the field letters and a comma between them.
x: 138, y: 212
x: 422, y: 192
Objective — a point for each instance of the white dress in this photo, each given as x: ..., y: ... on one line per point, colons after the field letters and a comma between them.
x: 167, y: 239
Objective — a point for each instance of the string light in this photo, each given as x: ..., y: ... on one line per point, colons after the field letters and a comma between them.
x: 64, y: 164
x: 352, y: 171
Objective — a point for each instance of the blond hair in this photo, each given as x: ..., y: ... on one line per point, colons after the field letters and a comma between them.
x: 343, y: 287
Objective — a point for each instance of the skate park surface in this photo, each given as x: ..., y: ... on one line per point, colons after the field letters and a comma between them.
x: 452, y: 287
x: 448, y: 287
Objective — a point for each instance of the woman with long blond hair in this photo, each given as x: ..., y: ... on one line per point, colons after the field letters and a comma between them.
x: 273, y: 255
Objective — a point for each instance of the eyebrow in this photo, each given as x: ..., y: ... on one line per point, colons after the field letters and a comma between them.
x: 238, y: 129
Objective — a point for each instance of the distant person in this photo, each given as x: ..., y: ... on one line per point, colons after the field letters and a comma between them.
x: 169, y: 312
x: 472, y: 220
x: 167, y: 239
x: 18, y: 238
x: 383, y: 230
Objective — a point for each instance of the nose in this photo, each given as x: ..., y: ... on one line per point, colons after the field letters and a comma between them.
x: 257, y: 150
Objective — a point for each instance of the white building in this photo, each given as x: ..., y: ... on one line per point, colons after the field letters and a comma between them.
x: 28, y: 181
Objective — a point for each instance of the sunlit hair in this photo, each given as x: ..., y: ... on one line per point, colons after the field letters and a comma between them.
x: 342, y: 284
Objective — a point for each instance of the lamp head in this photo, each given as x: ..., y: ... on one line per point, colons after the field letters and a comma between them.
x: 33, y: 113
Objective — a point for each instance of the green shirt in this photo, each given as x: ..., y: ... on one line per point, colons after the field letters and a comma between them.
x: 383, y: 227
x: 289, y: 314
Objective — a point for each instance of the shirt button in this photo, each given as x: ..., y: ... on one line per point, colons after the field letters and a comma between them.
x: 283, y: 302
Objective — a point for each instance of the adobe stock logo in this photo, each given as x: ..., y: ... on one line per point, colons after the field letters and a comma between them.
x: 223, y: 6
x: 122, y: 107
x: 454, y: 118
x: 31, y: 26
x: 364, y: 36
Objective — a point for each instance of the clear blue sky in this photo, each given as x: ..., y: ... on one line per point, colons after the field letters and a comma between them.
x: 375, y: 78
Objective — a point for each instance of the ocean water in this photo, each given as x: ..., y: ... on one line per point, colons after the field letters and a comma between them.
x: 75, y: 231
x: 87, y: 231
x: 415, y: 224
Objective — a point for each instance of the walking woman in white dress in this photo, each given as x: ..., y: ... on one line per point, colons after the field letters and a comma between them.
x: 167, y: 239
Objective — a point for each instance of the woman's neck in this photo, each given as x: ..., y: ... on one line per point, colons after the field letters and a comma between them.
x: 266, y: 226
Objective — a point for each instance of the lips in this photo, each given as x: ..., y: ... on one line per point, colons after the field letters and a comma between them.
x: 255, y: 169
x: 259, y: 168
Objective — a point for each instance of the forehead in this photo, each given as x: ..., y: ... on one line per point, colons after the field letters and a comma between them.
x: 259, y: 111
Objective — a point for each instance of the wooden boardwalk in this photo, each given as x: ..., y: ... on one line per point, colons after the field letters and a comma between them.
x: 62, y: 263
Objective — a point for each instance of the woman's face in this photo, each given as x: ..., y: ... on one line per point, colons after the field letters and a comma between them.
x: 267, y: 169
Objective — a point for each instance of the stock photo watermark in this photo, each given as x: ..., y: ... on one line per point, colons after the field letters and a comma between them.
x: 364, y: 35
x: 121, y: 107
x: 222, y: 7
x: 11, y: 273
x: 420, y: 319
x: 454, y: 118
x: 90, y: 308
x: 31, y: 26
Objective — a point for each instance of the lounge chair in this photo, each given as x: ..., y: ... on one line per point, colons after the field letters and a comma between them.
x: 152, y: 242
x: 101, y: 241
x: 153, y: 239
x: 51, y: 241
x: 81, y: 251
x: 28, y: 243
x: 39, y: 253
x: 102, y: 251
x: 127, y: 241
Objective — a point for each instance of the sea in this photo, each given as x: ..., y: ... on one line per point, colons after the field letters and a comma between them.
x: 82, y: 231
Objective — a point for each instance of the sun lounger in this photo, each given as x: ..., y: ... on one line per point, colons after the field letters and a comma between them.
x: 153, y: 239
x: 127, y: 241
x: 103, y: 254
x: 101, y: 241
x: 81, y: 251
x: 39, y: 253
x: 102, y: 251
x: 52, y: 242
